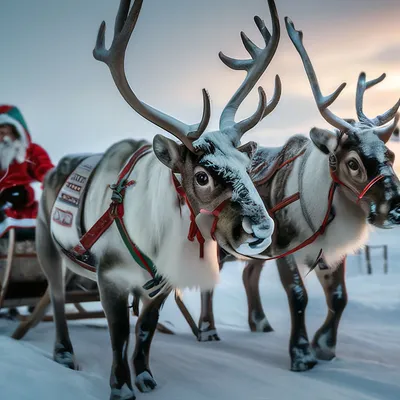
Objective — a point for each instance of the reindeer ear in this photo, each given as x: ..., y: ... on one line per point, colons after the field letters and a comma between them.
x: 249, y: 148
x: 325, y: 140
x: 168, y: 152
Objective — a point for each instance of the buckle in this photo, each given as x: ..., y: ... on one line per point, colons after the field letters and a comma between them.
x: 332, y: 162
x: 117, y: 189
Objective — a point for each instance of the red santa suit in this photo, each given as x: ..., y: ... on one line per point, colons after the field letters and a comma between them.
x: 26, y: 163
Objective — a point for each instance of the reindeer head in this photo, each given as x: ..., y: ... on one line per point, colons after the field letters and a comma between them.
x: 359, y: 160
x: 213, y: 166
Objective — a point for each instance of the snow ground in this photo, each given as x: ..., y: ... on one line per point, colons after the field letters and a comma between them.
x: 244, y: 365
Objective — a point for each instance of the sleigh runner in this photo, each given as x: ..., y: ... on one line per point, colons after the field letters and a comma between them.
x: 23, y: 284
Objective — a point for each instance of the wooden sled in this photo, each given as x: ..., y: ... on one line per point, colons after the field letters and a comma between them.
x: 22, y: 283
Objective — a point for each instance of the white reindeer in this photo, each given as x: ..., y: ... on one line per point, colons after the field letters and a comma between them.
x: 133, y: 235
x: 324, y: 193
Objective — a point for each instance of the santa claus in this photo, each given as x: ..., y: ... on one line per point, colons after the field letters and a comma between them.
x: 21, y: 163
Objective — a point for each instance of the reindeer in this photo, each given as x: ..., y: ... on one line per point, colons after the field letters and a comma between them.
x: 160, y: 193
x: 323, y: 193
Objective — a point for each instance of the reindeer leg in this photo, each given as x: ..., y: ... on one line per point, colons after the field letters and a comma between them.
x: 258, y: 322
x: 207, y: 330
x: 302, y: 357
x: 333, y: 283
x: 115, y: 305
x: 145, y: 328
x: 51, y: 263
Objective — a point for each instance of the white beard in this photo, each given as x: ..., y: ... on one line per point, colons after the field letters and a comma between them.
x: 10, y: 151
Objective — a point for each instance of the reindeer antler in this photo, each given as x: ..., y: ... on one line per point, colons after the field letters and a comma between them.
x: 115, y: 58
x: 362, y: 86
x: 323, y: 102
x: 260, y: 59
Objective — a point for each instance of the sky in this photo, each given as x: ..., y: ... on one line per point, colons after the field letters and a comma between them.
x: 71, y: 103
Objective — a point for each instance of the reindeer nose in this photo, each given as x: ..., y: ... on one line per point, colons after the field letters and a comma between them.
x: 263, y: 231
x: 260, y: 230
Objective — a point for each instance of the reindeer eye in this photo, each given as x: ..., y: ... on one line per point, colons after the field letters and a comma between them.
x: 202, y: 178
x: 353, y: 165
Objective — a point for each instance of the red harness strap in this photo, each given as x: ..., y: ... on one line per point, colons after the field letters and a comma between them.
x: 116, y: 209
x: 276, y: 169
x: 194, y: 231
x: 318, y: 232
x: 285, y: 202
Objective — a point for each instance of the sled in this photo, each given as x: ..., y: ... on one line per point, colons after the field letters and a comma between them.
x: 22, y: 283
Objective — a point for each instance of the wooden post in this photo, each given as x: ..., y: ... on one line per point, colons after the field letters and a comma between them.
x: 385, y: 259
x: 368, y: 257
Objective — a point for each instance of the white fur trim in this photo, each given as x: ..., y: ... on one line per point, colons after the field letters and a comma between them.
x: 6, y: 119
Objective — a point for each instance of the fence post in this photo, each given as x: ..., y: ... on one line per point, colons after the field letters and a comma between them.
x: 367, y: 256
x: 385, y: 257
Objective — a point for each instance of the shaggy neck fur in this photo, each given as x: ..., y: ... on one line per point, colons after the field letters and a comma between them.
x: 349, y: 229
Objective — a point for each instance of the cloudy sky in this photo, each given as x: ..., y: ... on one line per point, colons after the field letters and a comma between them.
x: 71, y: 103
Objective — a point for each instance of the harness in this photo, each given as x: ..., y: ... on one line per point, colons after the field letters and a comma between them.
x: 194, y: 231
x: 329, y: 215
x: 81, y: 254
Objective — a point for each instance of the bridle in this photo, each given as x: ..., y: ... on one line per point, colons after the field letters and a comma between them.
x: 360, y: 195
x: 194, y: 231
x: 335, y: 178
x: 329, y: 215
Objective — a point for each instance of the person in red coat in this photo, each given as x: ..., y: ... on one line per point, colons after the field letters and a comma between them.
x: 22, y: 162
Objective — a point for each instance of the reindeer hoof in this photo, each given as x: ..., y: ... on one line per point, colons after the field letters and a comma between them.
x: 145, y: 382
x: 301, y: 366
x: 325, y: 354
x: 321, y: 346
x: 208, y: 336
x: 64, y: 357
x: 122, y: 394
x: 303, y: 358
x: 261, y: 325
